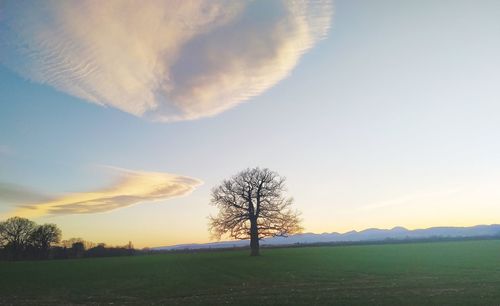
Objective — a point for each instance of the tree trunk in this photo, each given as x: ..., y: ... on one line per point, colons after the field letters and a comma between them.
x: 254, y: 238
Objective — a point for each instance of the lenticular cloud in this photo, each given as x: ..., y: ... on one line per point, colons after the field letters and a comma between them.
x: 164, y: 60
x: 133, y: 187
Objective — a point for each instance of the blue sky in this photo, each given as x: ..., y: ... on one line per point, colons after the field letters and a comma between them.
x: 392, y: 119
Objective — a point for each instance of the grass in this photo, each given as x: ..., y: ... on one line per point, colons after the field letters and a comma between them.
x: 465, y: 273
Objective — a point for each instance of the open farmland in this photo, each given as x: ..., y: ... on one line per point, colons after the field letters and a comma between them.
x: 420, y: 273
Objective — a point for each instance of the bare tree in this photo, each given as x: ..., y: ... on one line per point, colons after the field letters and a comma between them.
x: 77, y: 249
x: 43, y: 236
x: 16, y: 233
x: 69, y: 243
x: 252, y: 205
x: 3, y: 240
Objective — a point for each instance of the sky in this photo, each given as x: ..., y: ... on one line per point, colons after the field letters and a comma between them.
x: 117, y: 119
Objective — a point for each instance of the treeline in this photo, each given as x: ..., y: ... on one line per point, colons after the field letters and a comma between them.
x: 23, y: 239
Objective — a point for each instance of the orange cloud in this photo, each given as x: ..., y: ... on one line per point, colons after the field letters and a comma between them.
x: 133, y: 187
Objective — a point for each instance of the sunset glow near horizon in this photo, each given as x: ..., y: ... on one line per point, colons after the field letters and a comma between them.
x: 117, y: 119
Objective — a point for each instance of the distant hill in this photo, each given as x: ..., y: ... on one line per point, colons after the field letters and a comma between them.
x: 367, y: 235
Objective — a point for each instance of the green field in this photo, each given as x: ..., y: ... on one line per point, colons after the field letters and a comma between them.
x: 415, y: 274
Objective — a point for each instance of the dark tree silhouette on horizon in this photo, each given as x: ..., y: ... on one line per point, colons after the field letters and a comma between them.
x: 15, y: 234
x: 252, y: 205
x: 43, y: 237
x: 23, y: 239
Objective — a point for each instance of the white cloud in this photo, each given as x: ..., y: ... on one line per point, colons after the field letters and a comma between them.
x: 165, y: 60
x: 133, y: 187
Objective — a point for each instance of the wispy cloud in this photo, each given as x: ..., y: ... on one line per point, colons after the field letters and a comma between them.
x: 12, y: 193
x: 133, y: 187
x: 410, y: 199
x: 165, y: 60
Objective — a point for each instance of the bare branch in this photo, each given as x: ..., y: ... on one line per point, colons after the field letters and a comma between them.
x: 253, y: 196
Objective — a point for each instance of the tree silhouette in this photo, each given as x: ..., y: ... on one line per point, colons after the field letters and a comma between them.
x: 69, y: 243
x: 43, y: 236
x: 252, y: 205
x: 21, y: 238
x: 77, y: 249
x: 16, y: 233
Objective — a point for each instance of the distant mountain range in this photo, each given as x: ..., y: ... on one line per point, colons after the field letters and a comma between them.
x: 368, y: 235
